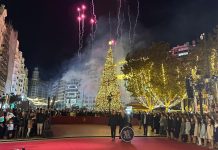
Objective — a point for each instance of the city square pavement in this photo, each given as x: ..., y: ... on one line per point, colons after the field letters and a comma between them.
x: 83, y: 130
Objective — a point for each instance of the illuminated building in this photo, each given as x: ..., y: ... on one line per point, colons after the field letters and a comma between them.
x: 19, y: 80
x: 66, y: 93
x: 37, y: 87
x: 13, y: 74
x: 3, y: 50
x: 88, y: 102
x: 72, y: 94
x: 182, y: 50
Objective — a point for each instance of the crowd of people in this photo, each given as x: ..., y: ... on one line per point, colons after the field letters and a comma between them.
x: 191, y: 128
x: 23, y: 124
x: 184, y: 127
x: 17, y: 123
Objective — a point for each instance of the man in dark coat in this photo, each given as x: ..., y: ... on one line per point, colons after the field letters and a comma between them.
x: 113, y: 121
x: 122, y: 121
x: 145, y: 123
x: 40, y: 118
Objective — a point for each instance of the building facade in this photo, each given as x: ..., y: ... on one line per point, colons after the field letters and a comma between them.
x: 180, y: 51
x: 72, y: 94
x: 17, y: 78
x: 88, y: 102
x: 37, y: 87
x: 66, y: 93
x: 13, y: 74
x: 4, y: 38
x: 19, y: 84
x: 13, y: 47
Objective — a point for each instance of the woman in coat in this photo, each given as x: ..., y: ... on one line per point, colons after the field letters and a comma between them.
x: 210, y: 133
x: 216, y: 133
x: 177, y: 128
x: 188, y: 129
x: 203, y: 132
x: 29, y: 125
x: 192, y: 130
x: 196, y: 129
x: 182, y: 130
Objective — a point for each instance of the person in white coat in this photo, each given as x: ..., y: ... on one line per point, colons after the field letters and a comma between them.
x: 203, y: 132
x: 187, y: 129
x: 196, y: 129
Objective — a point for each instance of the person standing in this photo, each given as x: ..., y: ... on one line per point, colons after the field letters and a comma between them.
x: 145, y: 123
x: 122, y: 121
x: 163, y: 125
x: 169, y: 126
x: 182, y: 130
x: 210, y: 133
x: 203, y: 132
x: 2, y: 120
x: 188, y: 129
x: 192, y: 130
x: 113, y: 123
x: 22, y: 122
x: 40, y: 118
x: 29, y: 125
x: 196, y: 130
x: 216, y: 133
x: 177, y: 128
x: 10, y: 126
x: 139, y: 117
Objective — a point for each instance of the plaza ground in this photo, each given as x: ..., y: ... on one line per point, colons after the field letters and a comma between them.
x: 87, y: 130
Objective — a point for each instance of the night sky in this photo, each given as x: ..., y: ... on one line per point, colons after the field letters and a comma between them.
x: 48, y: 30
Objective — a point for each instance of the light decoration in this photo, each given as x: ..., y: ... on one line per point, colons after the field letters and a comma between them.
x: 109, y: 85
x: 163, y: 74
x: 155, y: 85
x: 37, y: 101
x: 213, y: 62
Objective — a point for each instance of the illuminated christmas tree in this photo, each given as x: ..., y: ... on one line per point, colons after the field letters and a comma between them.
x: 108, y: 97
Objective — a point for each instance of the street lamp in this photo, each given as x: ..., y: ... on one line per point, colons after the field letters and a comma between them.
x: 109, y: 98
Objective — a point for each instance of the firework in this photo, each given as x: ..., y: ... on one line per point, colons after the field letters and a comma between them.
x: 94, y: 15
x: 79, y: 27
x: 118, y: 18
x: 136, y: 21
x: 130, y: 26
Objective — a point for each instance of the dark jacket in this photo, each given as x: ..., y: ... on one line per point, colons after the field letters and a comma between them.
x: 122, y: 121
x: 113, y: 120
x: 40, y: 118
x: 22, y: 121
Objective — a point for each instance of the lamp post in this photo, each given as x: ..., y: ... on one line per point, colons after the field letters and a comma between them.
x: 109, y: 98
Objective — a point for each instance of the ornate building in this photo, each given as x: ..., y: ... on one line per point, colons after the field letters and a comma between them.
x: 13, y: 74
x: 17, y: 78
x: 37, y: 87
x: 3, y: 50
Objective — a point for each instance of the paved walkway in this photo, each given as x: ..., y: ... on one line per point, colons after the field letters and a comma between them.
x: 82, y: 130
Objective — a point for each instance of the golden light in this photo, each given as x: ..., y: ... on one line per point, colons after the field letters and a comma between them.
x: 111, y: 42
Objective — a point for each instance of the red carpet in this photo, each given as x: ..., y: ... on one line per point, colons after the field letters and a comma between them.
x: 139, y: 143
